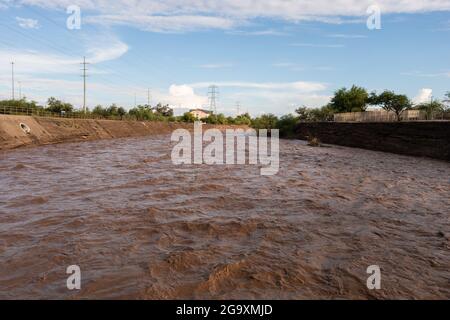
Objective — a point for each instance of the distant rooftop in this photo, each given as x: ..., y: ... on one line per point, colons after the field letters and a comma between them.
x: 201, y: 110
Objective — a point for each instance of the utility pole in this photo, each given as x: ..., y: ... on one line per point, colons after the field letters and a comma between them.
x: 84, y: 63
x: 213, y: 94
x: 135, y: 100
x: 238, y: 108
x: 148, y: 97
x: 431, y: 108
x: 12, y: 79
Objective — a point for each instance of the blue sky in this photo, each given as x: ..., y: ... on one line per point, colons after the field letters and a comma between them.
x: 270, y: 55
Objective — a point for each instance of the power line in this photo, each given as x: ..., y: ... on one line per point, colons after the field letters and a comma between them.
x: 213, y: 95
x: 119, y: 77
x: 84, y: 63
x: 66, y: 51
x: 148, y: 97
x: 12, y: 79
x: 164, y: 72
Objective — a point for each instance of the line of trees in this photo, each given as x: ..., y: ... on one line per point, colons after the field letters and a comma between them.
x: 160, y: 112
x: 354, y: 99
x: 358, y: 99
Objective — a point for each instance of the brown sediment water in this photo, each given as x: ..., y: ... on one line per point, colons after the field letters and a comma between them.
x: 141, y: 228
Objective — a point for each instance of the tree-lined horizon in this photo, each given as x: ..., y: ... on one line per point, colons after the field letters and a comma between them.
x: 354, y: 99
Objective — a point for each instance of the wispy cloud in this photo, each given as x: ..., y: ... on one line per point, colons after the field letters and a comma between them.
x: 216, y: 65
x: 267, y: 32
x: 188, y: 15
x: 427, y: 75
x: 302, y: 86
x: 297, y: 67
x: 317, y: 45
x: 284, y: 65
x: 26, y: 23
x: 107, y: 50
x: 347, y: 36
x: 167, y: 24
x: 31, y: 62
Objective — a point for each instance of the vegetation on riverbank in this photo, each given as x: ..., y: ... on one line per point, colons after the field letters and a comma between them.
x: 355, y: 99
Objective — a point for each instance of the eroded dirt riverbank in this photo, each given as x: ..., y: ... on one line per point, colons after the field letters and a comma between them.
x: 140, y: 227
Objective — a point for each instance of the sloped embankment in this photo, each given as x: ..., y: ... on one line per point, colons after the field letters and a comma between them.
x: 55, y: 130
x: 422, y: 138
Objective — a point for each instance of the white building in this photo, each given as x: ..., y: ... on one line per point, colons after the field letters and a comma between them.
x: 200, y: 113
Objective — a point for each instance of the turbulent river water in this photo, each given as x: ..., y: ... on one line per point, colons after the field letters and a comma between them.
x: 140, y: 227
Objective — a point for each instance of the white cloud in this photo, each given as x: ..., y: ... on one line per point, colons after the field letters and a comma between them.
x: 427, y: 75
x: 284, y: 65
x: 216, y: 65
x: 269, y: 97
x: 301, y: 86
x: 31, y: 62
x: 424, y: 95
x: 267, y: 32
x: 297, y: 67
x: 317, y: 45
x: 110, y: 50
x: 183, y: 96
x: 185, y: 15
x: 158, y: 23
x: 347, y: 36
x: 28, y: 23
x: 279, y: 103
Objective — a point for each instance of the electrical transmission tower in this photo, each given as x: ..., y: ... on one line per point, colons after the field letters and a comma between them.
x: 148, y: 97
x: 238, y: 108
x: 213, y: 96
x: 12, y: 79
x: 84, y: 63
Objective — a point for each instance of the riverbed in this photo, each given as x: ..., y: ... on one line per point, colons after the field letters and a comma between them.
x: 140, y: 227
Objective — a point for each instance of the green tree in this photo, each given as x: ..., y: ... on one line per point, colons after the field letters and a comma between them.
x: 352, y: 100
x: 243, y: 119
x: 188, y: 117
x: 266, y: 121
x: 58, y: 106
x: 447, y: 102
x: 142, y: 113
x: 325, y: 113
x: 163, y: 110
x: 216, y: 119
x: 431, y: 108
x: 112, y: 110
x: 99, y: 111
x: 121, y: 112
x: 230, y: 120
x: 22, y: 103
x: 304, y: 114
x: 390, y: 101
x: 287, y: 125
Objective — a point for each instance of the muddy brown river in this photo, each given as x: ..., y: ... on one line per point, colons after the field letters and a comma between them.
x: 140, y: 227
